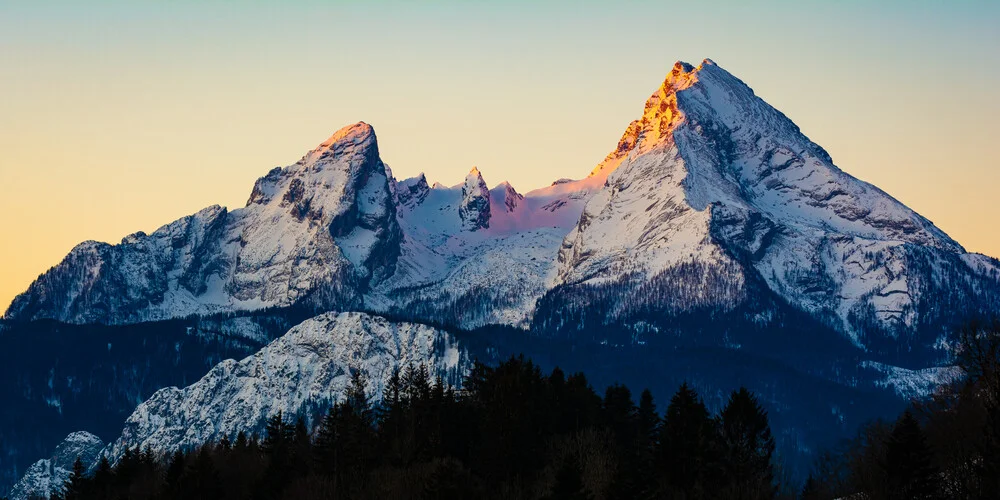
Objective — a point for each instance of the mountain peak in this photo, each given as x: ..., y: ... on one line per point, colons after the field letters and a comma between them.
x: 660, y: 115
x: 355, y: 133
x: 475, y: 206
x: 412, y: 191
x: 506, y: 196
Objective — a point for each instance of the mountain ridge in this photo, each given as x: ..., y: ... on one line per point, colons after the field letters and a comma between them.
x: 710, y: 177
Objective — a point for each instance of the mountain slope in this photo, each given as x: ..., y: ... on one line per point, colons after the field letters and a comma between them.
x: 47, y: 476
x: 300, y: 373
x: 713, y: 180
x: 711, y: 203
x: 318, y: 231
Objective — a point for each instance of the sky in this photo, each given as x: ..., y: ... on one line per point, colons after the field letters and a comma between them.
x: 122, y: 116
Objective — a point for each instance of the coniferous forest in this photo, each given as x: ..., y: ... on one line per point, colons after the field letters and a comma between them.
x: 942, y: 448
x: 513, y: 432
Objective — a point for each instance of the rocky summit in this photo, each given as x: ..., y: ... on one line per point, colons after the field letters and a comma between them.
x: 714, y: 223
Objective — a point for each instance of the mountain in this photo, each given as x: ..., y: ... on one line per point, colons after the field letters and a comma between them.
x: 714, y: 182
x: 318, y: 232
x: 48, y: 475
x: 301, y: 373
x: 714, y: 230
x: 710, y: 201
x: 60, y: 378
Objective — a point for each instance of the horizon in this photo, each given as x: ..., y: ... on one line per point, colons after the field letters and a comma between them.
x: 124, y: 118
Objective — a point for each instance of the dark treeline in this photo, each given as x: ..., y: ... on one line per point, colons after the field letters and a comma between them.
x: 943, y: 448
x: 510, y: 433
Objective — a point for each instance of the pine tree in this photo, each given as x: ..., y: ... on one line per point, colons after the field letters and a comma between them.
x: 279, y: 437
x: 103, y: 479
x: 390, y: 419
x: 688, y: 458
x: 242, y: 443
x: 648, y: 421
x: 620, y: 416
x: 275, y: 435
x: 357, y: 398
x: 748, y: 446
x: 76, y: 487
x: 174, y: 474
x: 908, y: 462
x: 202, y: 478
x: 327, y: 441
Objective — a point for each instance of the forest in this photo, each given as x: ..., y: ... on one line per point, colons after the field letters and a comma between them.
x: 513, y: 432
x: 942, y: 448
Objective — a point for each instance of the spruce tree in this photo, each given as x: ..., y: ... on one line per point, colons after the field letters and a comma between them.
x: 175, y: 474
x: 327, y: 441
x: 748, y: 446
x: 620, y: 416
x: 76, y: 487
x: 688, y: 458
x: 241, y: 443
x: 275, y: 435
x: 202, y: 478
x: 103, y: 478
x: 909, y: 469
x: 648, y: 422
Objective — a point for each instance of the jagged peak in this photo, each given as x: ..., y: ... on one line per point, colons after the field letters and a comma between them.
x: 474, y: 181
x: 475, y: 207
x: 356, y: 139
x: 349, y: 149
x: 506, y: 189
x: 413, y: 190
x: 355, y: 133
x: 660, y: 115
x: 506, y: 194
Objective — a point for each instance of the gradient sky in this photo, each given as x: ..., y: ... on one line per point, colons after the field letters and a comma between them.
x: 123, y: 116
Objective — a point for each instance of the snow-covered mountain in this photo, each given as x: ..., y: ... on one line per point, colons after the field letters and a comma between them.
x: 715, y: 181
x: 713, y: 209
x: 711, y: 200
x: 318, y: 231
x: 48, y: 475
x: 301, y: 372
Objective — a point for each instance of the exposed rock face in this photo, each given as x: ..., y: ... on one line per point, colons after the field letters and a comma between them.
x: 305, y: 370
x: 709, y: 191
x: 412, y: 192
x: 475, y: 207
x: 48, y: 475
x: 506, y: 197
x: 713, y: 178
x: 712, y: 205
x: 321, y: 230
